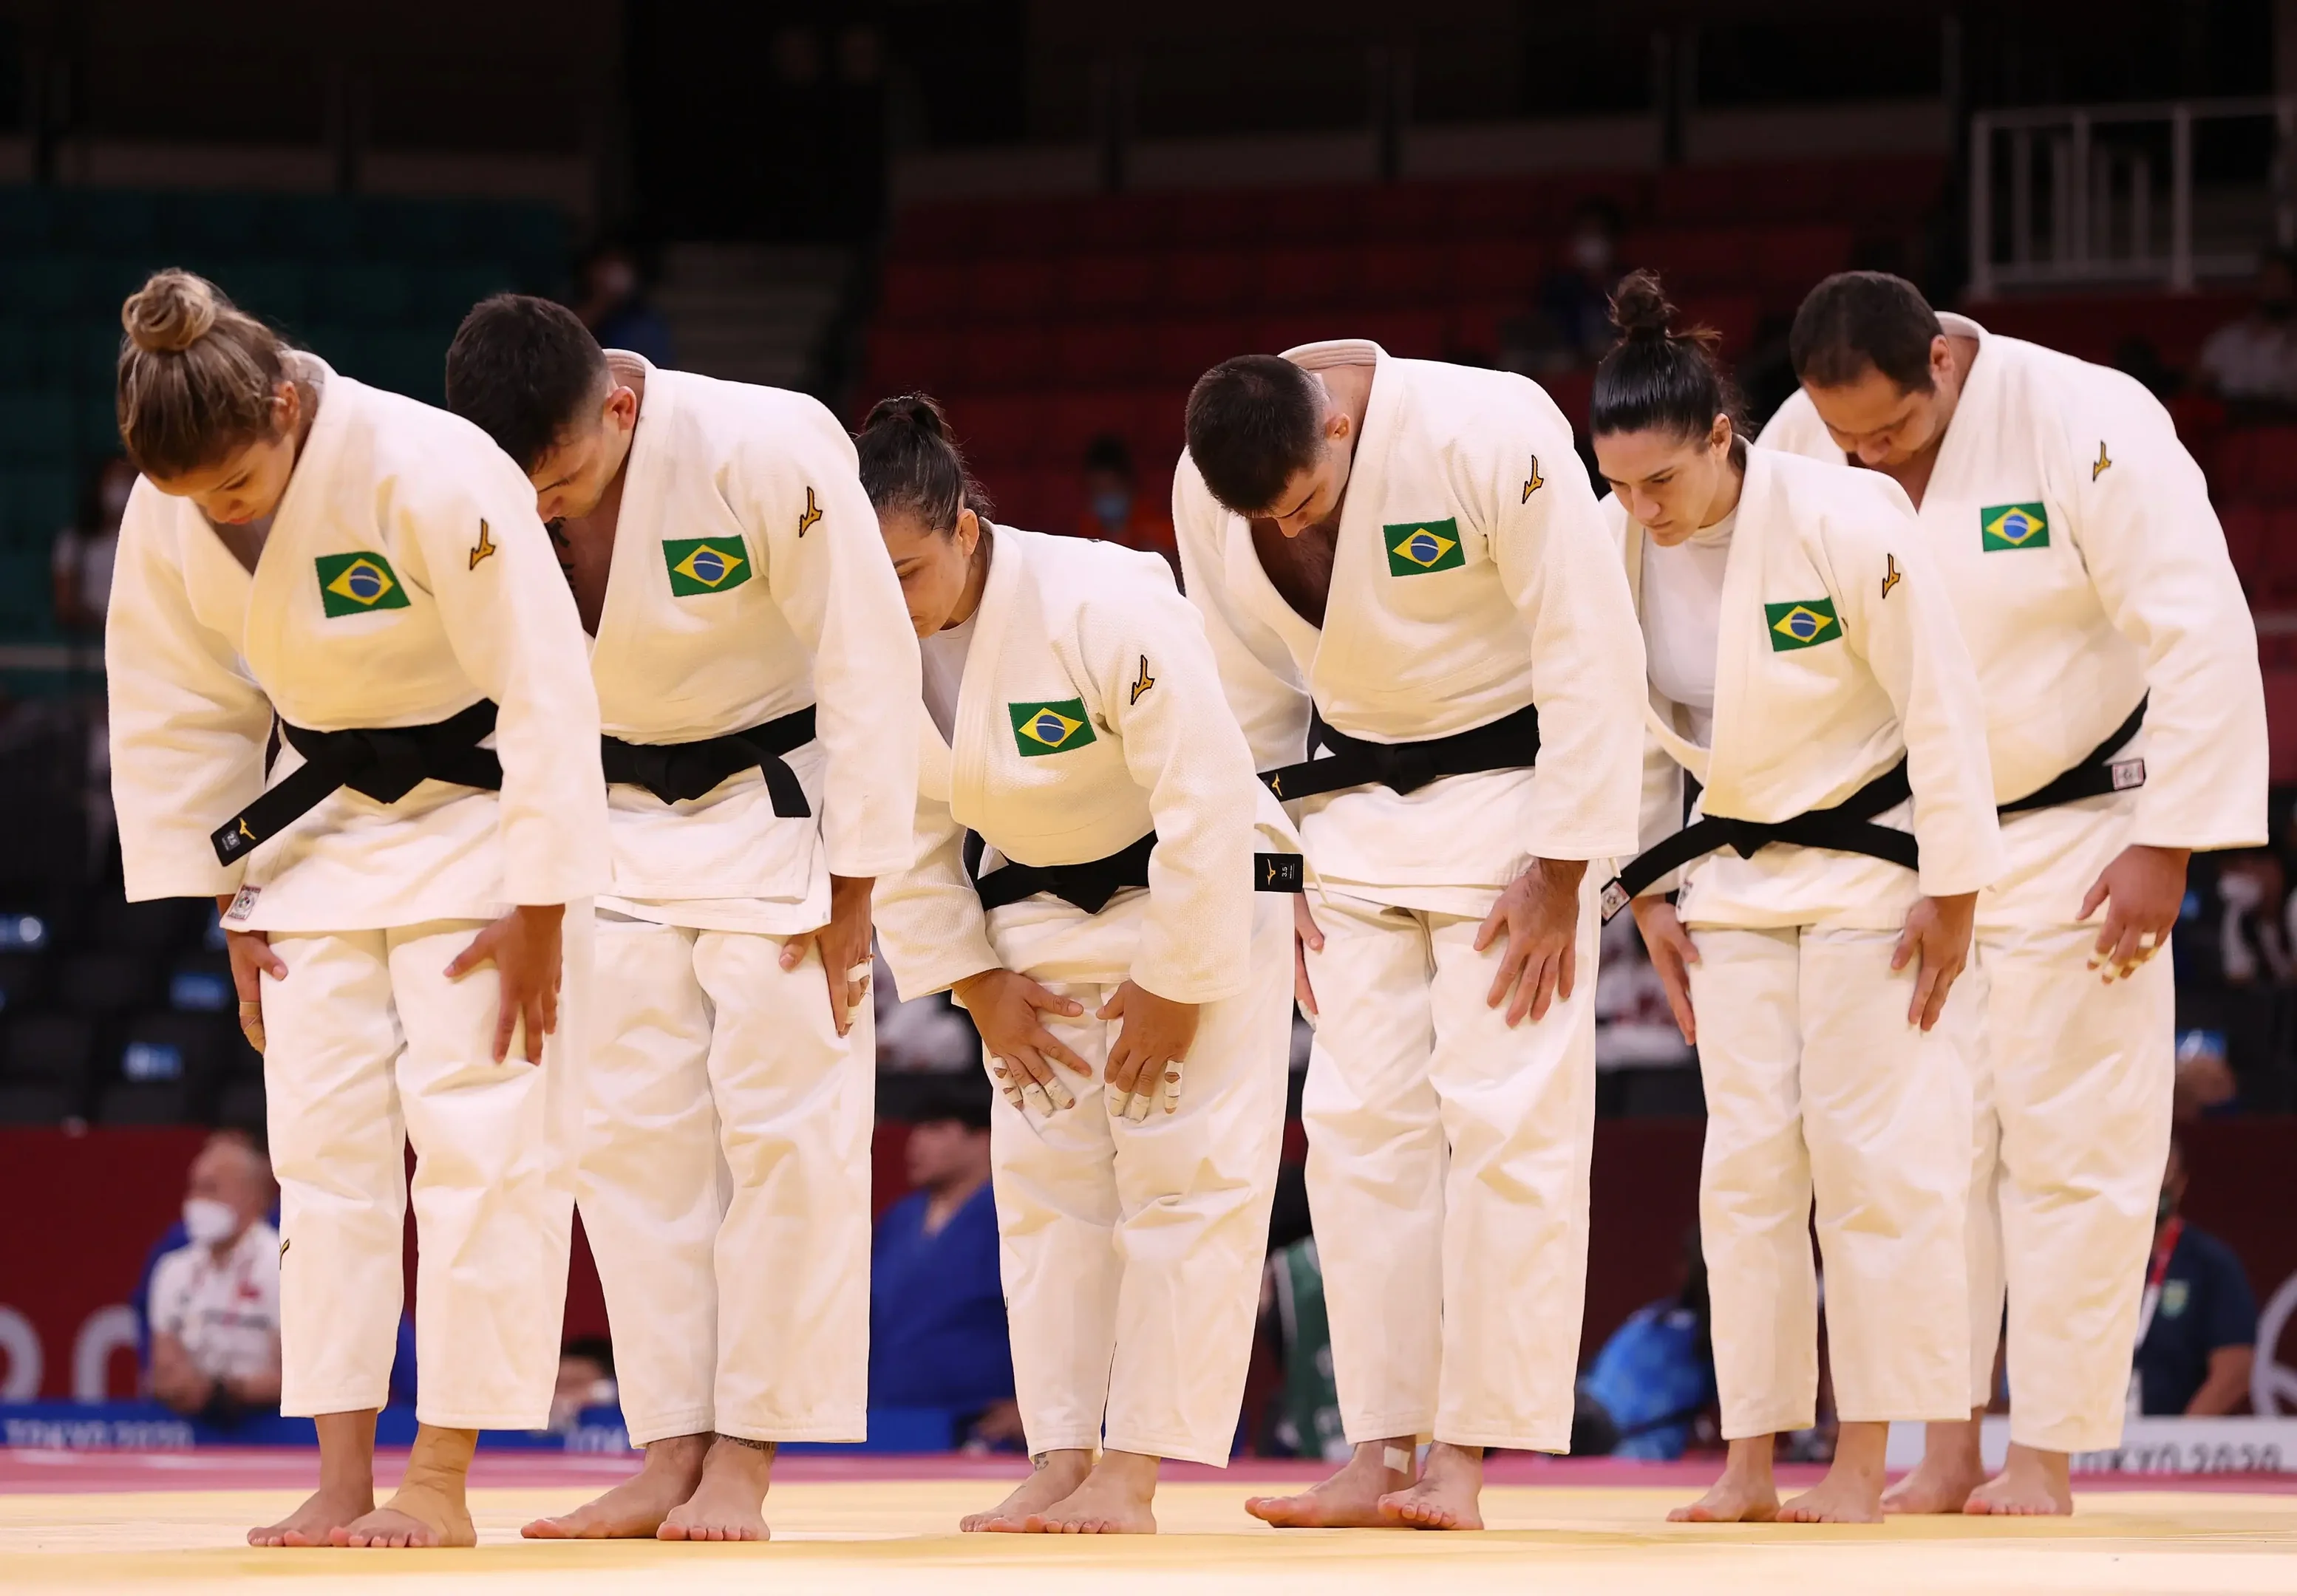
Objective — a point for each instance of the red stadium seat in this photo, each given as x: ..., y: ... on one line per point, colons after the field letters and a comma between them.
x: 1408, y: 274
x: 1125, y: 222
x: 2281, y: 723
x: 1107, y: 285
x: 1789, y: 261
x: 1016, y: 288
x: 1493, y: 269
x: 2259, y: 463
x: 1570, y: 391
x: 2245, y: 534
x: 1477, y: 324
x: 1275, y: 331
x: 1219, y: 217
x: 1076, y: 416
x: 902, y: 358
x: 1416, y: 335
x: 1310, y: 215
x: 1019, y: 355
x: 1308, y: 278
x: 1692, y: 260
x: 1197, y: 281
x: 921, y: 293
x: 1101, y: 351
x: 1404, y: 213
x: 1497, y: 207
x: 1185, y: 346
x: 1732, y: 315
x: 999, y: 429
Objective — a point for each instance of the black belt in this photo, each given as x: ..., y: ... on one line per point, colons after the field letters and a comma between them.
x: 677, y: 771
x: 384, y: 762
x: 1510, y: 743
x: 1092, y: 884
x: 1848, y: 826
x: 2095, y: 776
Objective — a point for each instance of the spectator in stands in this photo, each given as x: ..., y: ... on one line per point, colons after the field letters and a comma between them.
x: 1114, y: 511
x: 1573, y: 323
x: 81, y: 563
x: 2253, y: 362
x: 2197, y: 1322
x: 215, y: 1301
x: 586, y: 1379
x: 937, y: 1332
x: 613, y: 304
x: 1655, y: 1377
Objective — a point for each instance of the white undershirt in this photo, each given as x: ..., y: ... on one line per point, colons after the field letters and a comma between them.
x: 1683, y: 616
x: 943, y: 655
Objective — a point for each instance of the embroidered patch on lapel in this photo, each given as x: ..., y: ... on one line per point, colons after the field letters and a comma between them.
x: 2014, y: 526
x: 354, y: 583
x: 704, y: 564
x: 1802, y: 623
x: 1415, y: 547
x: 1040, y: 728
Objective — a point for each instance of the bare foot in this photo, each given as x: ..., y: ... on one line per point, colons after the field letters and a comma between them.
x: 1115, y: 1500
x: 1842, y: 1497
x: 2031, y: 1484
x: 1055, y: 1476
x: 729, y: 1503
x: 1349, y: 1499
x: 635, y: 1508
x: 313, y: 1524
x: 415, y: 1516
x: 1940, y: 1483
x: 1733, y: 1498
x: 1447, y: 1494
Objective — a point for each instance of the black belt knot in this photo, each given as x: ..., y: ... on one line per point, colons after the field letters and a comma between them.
x: 1510, y: 743
x: 677, y: 772
x: 382, y: 762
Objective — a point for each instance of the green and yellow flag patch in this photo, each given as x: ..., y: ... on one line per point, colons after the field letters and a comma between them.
x: 704, y: 564
x: 2014, y: 526
x: 1802, y: 623
x: 354, y: 583
x: 1414, y: 546
x: 1040, y: 728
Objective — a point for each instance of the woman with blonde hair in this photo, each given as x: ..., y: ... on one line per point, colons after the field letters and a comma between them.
x: 368, y: 575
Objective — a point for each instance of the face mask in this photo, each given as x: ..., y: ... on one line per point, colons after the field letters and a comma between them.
x: 1112, y: 509
x: 207, y: 1221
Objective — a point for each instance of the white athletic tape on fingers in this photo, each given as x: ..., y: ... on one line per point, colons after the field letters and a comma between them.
x: 1137, y: 1106
x: 1058, y: 1089
x: 860, y: 972
x: 1038, y: 1098
x: 1398, y: 1458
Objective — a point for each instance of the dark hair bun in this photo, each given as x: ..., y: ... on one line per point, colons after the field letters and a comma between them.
x: 1640, y: 309
x: 917, y: 411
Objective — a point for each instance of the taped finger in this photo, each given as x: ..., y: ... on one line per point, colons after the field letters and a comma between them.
x: 1172, y: 1087
x: 1037, y: 1098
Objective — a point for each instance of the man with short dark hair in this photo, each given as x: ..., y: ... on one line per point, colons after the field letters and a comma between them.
x: 2126, y: 725
x: 1426, y: 631
x: 758, y: 680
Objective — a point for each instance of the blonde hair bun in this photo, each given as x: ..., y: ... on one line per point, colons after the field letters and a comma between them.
x: 171, y: 312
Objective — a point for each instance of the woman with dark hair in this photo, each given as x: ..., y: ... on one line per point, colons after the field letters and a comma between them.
x: 1806, y: 669
x: 368, y: 574
x: 1099, y: 881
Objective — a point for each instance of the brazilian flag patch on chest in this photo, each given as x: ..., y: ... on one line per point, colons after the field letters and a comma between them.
x: 2014, y: 526
x: 1417, y: 546
x: 354, y: 583
x: 1802, y: 623
x: 1040, y: 728
x: 699, y: 565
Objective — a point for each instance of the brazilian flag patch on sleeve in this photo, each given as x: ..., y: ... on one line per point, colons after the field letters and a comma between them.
x: 699, y: 565
x: 1415, y: 548
x: 2014, y: 526
x: 1802, y: 623
x: 1040, y: 728
x: 354, y: 583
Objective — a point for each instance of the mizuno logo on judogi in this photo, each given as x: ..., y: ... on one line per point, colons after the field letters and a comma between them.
x: 2014, y: 526
x: 1802, y: 623
x: 354, y: 583
x: 1415, y: 547
x: 704, y: 564
x: 1040, y: 728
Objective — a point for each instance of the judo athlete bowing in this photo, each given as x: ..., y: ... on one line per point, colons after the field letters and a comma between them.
x: 1104, y: 885
x: 1427, y: 635
x: 2126, y: 726
x: 303, y: 547
x: 1806, y: 668
x: 756, y: 680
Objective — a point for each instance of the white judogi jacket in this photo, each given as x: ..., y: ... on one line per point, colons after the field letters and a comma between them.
x: 1089, y: 713
x: 749, y: 580
x: 1472, y: 577
x: 2087, y: 569
x: 404, y: 578
x: 1838, y: 655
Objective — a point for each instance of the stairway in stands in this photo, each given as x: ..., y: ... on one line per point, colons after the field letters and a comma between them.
x: 752, y: 313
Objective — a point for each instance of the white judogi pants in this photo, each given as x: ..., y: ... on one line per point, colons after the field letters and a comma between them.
x: 1447, y: 1174
x: 2073, y: 1086
x: 1817, y: 1086
x: 1132, y: 1253
x: 724, y: 1186
x: 369, y: 1048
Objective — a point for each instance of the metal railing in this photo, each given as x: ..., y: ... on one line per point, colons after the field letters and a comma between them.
x: 2107, y: 195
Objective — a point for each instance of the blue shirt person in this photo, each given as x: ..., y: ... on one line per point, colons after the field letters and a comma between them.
x: 2198, y: 1316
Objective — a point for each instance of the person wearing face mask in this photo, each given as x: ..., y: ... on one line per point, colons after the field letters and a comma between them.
x: 2196, y: 1319
x: 1806, y: 668
x: 2252, y: 363
x: 1427, y: 635
x: 2126, y: 729
x: 1103, y: 885
x: 756, y: 679
x: 367, y: 575
x: 1115, y: 510
x: 214, y: 1310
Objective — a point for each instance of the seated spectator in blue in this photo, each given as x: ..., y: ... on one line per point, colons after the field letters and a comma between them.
x: 937, y: 1332
x: 2197, y: 1322
x: 613, y: 304
x: 1656, y: 1375
x: 215, y: 1301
